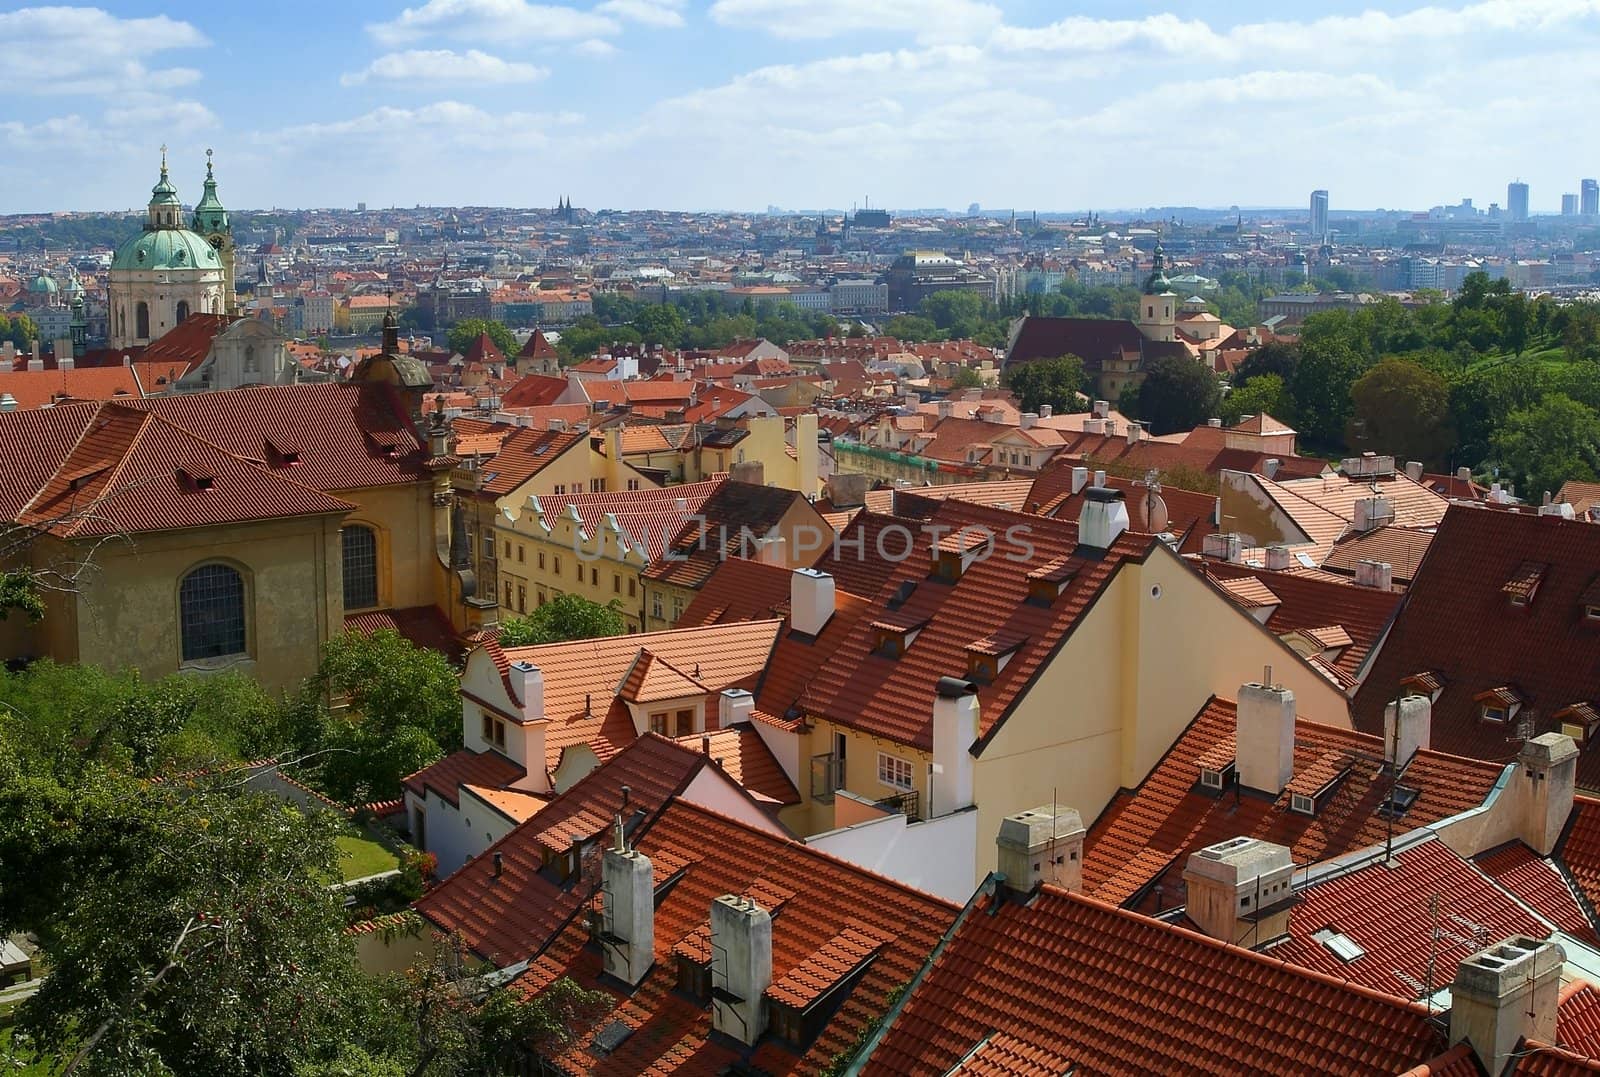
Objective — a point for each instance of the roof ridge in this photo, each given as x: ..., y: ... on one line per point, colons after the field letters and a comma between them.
x: 83, y: 435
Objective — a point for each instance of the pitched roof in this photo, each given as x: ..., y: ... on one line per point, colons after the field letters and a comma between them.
x: 1537, y: 883
x: 893, y: 697
x: 186, y: 344
x: 740, y: 753
x: 511, y: 917
x: 1415, y: 917
x: 832, y: 913
x: 1579, y: 851
x: 533, y: 391
x: 523, y: 454
x: 348, y: 435
x: 1190, y: 515
x: 459, y: 768
x: 537, y: 346
x: 1116, y: 993
x: 1317, y: 606
x: 1458, y: 621
x: 1401, y: 548
x: 483, y: 350
x: 650, y: 518
x: 426, y: 626
x: 1145, y: 835
x: 732, y: 510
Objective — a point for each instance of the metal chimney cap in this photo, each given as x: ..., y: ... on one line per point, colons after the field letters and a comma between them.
x: 1104, y: 494
x: 955, y: 688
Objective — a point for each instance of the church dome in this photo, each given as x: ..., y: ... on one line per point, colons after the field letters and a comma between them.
x: 43, y: 284
x: 166, y: 249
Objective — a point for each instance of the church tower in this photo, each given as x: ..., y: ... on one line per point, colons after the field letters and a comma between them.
x: 1158, y: 306
x: 211, y: 221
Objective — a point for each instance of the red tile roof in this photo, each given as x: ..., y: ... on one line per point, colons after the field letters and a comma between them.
x: 1145, y: 836
x: 893, y: 697
x: 725, y: 517
x: 426, y: 626
x: 1578, y: 1018
x: 533, y: 391
x: 1116, y: 993
x: 741, y: 754
x: 1457, y: 620
x: 514, y: 916
x: 523, y: 454
x: 1546, y: 1060
x: 459, y: 768
x: 1540, y: 885
x: 1579, y: 851
x: 833, y: 914
x: 1415, y: 918
x: 186, y: 344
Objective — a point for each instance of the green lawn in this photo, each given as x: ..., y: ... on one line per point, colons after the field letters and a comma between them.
x: 37, y: 1069
x: 360, y: 857
x: 1546, y: 356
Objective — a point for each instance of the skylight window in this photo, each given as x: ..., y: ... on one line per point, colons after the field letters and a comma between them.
x: 1339, y: 944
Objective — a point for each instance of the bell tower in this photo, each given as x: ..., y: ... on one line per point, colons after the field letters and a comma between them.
x: 211, y: 221
x: 1158, y: 306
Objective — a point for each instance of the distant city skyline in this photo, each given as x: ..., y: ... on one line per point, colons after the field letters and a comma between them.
x: 740, y: 104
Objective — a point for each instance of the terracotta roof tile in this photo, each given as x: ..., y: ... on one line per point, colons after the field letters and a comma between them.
x: 744, y: 757
x: 459, y: 768
x: 1334, y: 613
x: 523, y: 454
x: 1579, y: 851
x: 1457, y: 622
x: 1538, y: 883
x: 1167, y: 817
x: 1578, y: 1018
x: 1120, y: 994
x: 830, y: 906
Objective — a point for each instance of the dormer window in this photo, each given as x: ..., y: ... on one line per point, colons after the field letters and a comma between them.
x: 988, y: 656
x: 892, y: 639
x: 1216, y: 777
x: 1498, y: 704
x: 1523, y: 584
x: 1580, y: 721
x: 1302, y: 804
x: 1045, y: 584
x: 1427, y: 683
x: 954, y: 554
x: 195, y: 480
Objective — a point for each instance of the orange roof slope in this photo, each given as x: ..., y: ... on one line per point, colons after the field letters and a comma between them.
x: 732, y: 510
x: 522, y: 455
x: 186, y: 344
x: 1537, y: 883
x: 1460, y: 623
x: 514, y: 916
x: 1144, y: 837
x: 893, y: 697
x: 1116, y: 993
x: 830, y: 912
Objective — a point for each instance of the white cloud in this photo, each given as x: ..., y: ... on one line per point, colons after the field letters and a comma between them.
x: 439, y: 66
x: 66, y: 50
x: 660, y: 13
x: 927, y: 20
x: 595, y: 49
x: 446, y: 123
x: 492, y: 20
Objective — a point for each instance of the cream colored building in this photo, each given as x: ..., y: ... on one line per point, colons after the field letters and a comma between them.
x: 163, y: 275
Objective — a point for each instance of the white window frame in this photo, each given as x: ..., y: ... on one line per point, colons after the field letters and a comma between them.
x: 889, y: 769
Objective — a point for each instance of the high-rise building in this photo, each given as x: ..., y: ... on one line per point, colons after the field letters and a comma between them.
x: 1569, y: 205
x: 1319, y: 214
x: 1517, y: 200
x: 1589, y: 203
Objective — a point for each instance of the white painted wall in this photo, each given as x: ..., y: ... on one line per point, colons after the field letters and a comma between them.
x: 715, y: 791
x: 935, y: 856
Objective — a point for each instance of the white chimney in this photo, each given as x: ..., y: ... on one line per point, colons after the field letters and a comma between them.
x: 1134, y: 432
x: 1407, y: 727
x: 811, y: 600
x: 1111, y: 428
x: 1229, y: 884
x: 1504, y: 995
x: 527, y: 681
x: 63, y: 353
x: 8, y: 356
x: 741, y: 967
x: 1029, y: 419
x: 1270, y: 466
x: 1102, y: 408
x: 1046, y: 410
x: 1414, y: 470
x: 1277, y: 557
x: 1094, y: 426
x: 8, y: 402
x: 1103, y: 518
x: 1264, y: 737
x: 1214, y: 423
x: 955, y: 730
x: 1099, y: 478
x: 1041, y: 845
x: 1373, y: 512
x: 627, y: 911
x: 1223, y: 546
x: 1549, y: 765
x: 944, y: 409
x: 1080, y: 479
x: 1464, y: 474
x: 1378, y: 575
x: 734, y: 707
x: 772, y: 550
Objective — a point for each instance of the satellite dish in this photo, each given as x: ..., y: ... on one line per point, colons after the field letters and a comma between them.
x: 1155, y: 513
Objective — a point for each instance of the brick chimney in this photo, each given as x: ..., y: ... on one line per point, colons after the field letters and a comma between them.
x: 955, y: 728
x: 627, y: 915
x: 1264, y: 737
x: 811, y: 600
x: 1240, y: 890
x: 1547, y: 769
x: 1103, y: 518
x: 1503, y: 995
x: 1041, y: 845
x: 741, y: 967
x: 1407, y: 728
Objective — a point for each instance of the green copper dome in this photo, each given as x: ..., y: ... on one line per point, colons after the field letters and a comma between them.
x: 166, y: 249
x: 43, y: 284
x: 164, y: 193
x: 1157, y: 283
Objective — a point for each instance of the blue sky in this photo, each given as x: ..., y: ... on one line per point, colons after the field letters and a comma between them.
x: 738, y: 104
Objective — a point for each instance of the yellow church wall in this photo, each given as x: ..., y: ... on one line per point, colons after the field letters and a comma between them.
x: 402, y: 517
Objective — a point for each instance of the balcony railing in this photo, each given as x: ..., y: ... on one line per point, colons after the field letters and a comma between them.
x: 827, y: 777
x: 905, y: 803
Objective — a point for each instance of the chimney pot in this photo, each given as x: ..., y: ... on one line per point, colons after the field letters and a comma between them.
x: 1504, y: 995
x: 1103, y: 518
x: 1264, y: 737
x: 741, y: 967
x: 627, y: 912
x: 811, y: 600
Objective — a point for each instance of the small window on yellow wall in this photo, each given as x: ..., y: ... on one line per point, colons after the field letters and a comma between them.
x: 541, y: 559
x: 522, y: 598
x: 594, y: 577
x: 894, y: 771
x: 616, y: 584
x: 684, y: 724
x: 632, y: 587
x: 521, y: 550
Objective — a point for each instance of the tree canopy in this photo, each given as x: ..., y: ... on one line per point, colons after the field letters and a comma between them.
x: 564, y: 617
x: 1058, y: 382
x: 1177, y: 394
x: 1403, y: 409
x: 1543, y: 446
x: 463, y: 333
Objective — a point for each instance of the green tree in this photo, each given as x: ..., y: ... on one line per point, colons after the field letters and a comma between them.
x: 660, y: 323
x: 1277, y: 358
x: 564, y: 617
x: 911, y: 328
x: 1482, y: 398
x: 1263, y: 394
x: 1403, y: 409
x: 463, y: 333
x: 1320, y: 388
x: 18, y: 329
x: 966, y: 378
x: 1058, y: 382
x: 1545, y: 445
x: 1177, y: 394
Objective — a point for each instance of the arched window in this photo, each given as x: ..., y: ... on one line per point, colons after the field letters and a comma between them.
x: 141, y: 320
x: 183, y: 310
x: 211, y: 613
x: 360, y: 567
